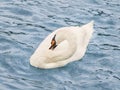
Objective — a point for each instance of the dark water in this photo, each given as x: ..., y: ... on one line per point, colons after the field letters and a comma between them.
x: 25, y: 23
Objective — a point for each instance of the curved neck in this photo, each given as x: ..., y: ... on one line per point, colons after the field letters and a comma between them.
x: 71, y: 39
x: 67, y: 53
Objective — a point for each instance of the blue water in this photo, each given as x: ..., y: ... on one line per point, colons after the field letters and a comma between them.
x: 25, y: 23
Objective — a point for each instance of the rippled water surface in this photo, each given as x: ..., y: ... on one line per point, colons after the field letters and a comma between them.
x: 25, y: 23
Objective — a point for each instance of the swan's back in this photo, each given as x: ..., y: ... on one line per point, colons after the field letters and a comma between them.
x: 83, y: 34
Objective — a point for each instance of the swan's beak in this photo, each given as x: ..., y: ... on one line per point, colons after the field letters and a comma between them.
x: 53, y: 45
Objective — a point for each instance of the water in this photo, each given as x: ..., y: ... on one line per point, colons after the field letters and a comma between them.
x: 25, y: 23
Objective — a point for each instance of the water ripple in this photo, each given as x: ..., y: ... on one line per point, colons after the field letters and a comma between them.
x: 25, y: 23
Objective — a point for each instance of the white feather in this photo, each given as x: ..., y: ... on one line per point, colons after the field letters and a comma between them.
x: 73, y: 42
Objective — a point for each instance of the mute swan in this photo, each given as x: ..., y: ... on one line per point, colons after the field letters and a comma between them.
x: 63, y: 46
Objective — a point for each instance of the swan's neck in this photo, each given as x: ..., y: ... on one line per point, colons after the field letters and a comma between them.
x: 69, y: 51
x: 71, y: 46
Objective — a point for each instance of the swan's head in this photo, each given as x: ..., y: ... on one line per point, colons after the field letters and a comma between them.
x: 53, y: 43
x: 57, y: 39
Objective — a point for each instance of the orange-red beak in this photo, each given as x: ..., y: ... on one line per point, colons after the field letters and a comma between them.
x: 53, y: 43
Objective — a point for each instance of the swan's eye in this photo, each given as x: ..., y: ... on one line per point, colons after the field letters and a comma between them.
x: 53, y: 43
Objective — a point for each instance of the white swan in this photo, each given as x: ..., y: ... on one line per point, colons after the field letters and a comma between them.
x: 63, y: 46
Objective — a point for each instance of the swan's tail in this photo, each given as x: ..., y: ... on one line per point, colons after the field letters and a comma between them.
x: 89, y: 27
x: 87, y: 31
x: 90, y: 24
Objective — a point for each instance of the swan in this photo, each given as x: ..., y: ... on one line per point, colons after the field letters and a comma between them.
x: 64, y: 45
